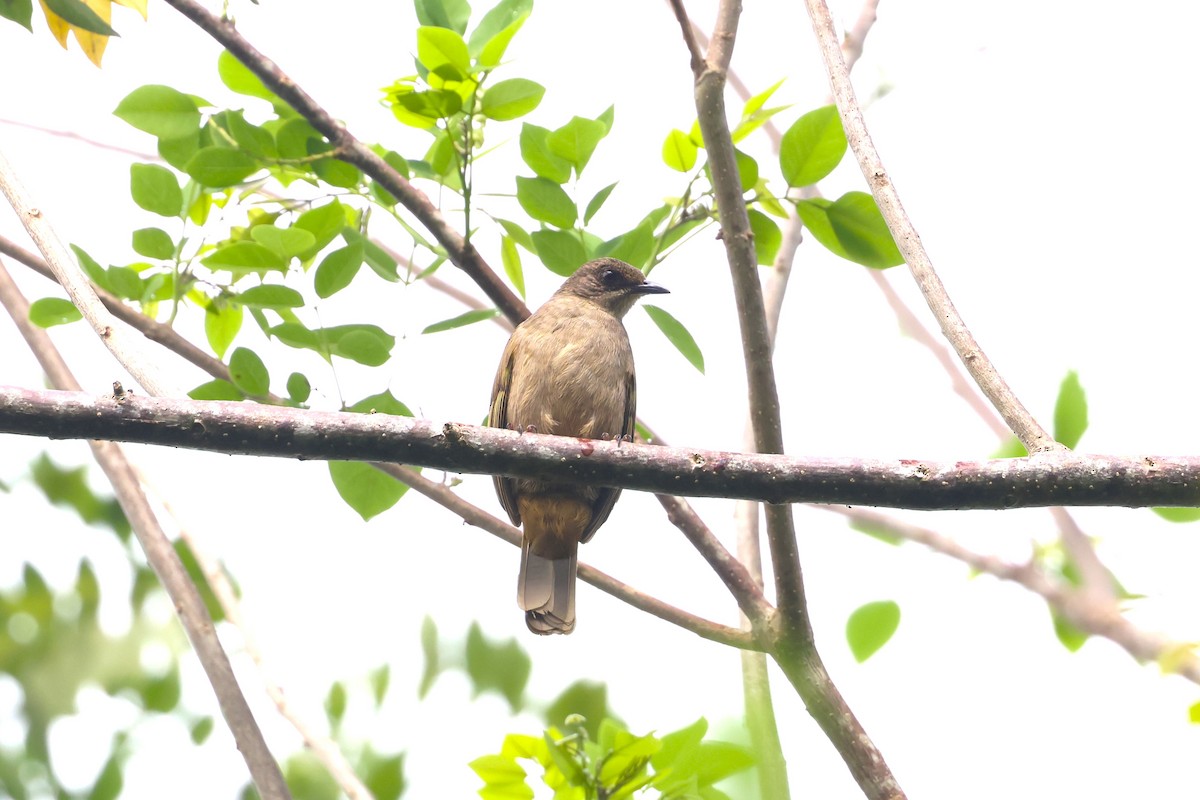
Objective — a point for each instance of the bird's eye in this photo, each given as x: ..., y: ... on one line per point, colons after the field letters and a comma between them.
x: 610, y: 278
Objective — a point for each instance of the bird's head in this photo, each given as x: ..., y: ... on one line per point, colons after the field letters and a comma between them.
x: 610, y: 283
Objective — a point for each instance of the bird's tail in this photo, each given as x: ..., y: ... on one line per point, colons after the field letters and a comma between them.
x: 546, y: 591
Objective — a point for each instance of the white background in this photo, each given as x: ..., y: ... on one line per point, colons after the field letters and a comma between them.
x: 1044, y: 150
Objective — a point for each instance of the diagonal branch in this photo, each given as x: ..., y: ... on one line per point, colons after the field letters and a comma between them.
x: 994, y: 387
x: 189, y: 606
x: 349, y: 149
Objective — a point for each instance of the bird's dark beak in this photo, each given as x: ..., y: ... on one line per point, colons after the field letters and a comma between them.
x: 651, y: 288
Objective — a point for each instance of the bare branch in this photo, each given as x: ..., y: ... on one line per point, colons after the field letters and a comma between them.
x: 994, y: 387
x: 349, y: 149
x: 1077, y: 606
x: 127, y: 349
x: 189, y: 606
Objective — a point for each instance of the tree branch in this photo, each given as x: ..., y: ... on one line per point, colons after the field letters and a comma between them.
x: 349, y: 149
x: 127, y: 349
x: 1078, y: 606
x: 994, y: 387
x: 1047, y: 479
x: 189, y: 606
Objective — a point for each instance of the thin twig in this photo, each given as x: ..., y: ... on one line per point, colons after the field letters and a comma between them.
x: 349, y: 149
x: 127, y: 349
x: 1077, y: 606
x: 994, y: 387
x: 189, y: 606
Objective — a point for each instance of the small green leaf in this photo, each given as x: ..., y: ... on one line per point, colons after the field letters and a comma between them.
x: 596, y: 202
x: 248, y: 372
x: 476, y: 315
x: 546, y: 201
x: 634, y: 246
x: 238, y: 77
x: 1194, y: 713
x: 286, y: 242
x: 324, y: 223
x: 429, y: 650
x: 870, y: 627
x: 338, y: 269
x: 678, y: 335
x: 679, y: 151
x: 19, y: 11
x: 219, y: 167
x: 1173, y: 514
x: 298, y: 387
x: 380, y: 679
x: 451, y: 14
x: 501, y: 667
x: 492, y: 35
x: 536, y: 152
x: 561, y: 251
x: 812, y: 147
x: 1070, y: 411
x: 160, y: 111
x: 767, y: 237
x: 1010, y: 448
x: 365, y: 489
x: 852, y: 228
x: 50, y: 311
x: 510, y: 258
x: 155, y: 189
x: 440, y: 47
x: 747, y: 169
x: 153, y: 243
x: 365, y: 344
x: 216, y: 389
x: 576, y: 141
x: 201, y: 729
x: 335, y: 703
x: 271, y: 295
x: 222, y: 321
x: 111, y: 779
x: 1068, y: 635
x: 512, y: 98
x: 244, y: 257
x: 125, y: 283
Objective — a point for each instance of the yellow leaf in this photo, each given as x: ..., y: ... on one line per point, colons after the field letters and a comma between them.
x: 93, y: 44
x: 137, y: 5
x: 58, y: 26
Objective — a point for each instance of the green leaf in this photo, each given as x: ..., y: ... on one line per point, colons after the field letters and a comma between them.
x: 256, y: 141
x: 365, y: 489
x: 719, y: 760
x: 767, y: 237
x: 380, y: 679
x: 216, y: 389
x: 155, y: 189
x: 160, y: 111
x: 219, y: 167
x: 69, y: 488
x: 376, y: 257
x: 335, y: 703
x: 298, y: 387
x: 324, y: 223
x: 238, y: 77
x: 222, y: 321
x: 754, y: 116
x: 1172, y: 514
x: 271, y: 295
x: 452, y: 14
x: 293, y: 334
x: 677, y: 334
x: 812, y: 147
x: 512, y: 98
x: 501, y: 667
x: 536, y: 152
x: 285, y: 242
x: 492, y: 35
x: 1194, y: 713
x: 510, y: 259
x: 747, y: 169
x: 679, y: 151
x: 561, y: 251
x: 201, y: 729
x: 1068, y: 635
x: 111, y: 779
x: 476, y: 315
x: 297, y: 139
x: 588, y: 699
x: 365, y: 344
x: 248, y: 372
x: 125, y: 282
x: 852, y: 228
x: 438, y: 48
x: 1010, y: 448
x: 19, y: 11
x: 337, y: 173
x: 870, y: 627
x: 576, y: 141
x: 338, y: 269
x: 1070, y: 411
x: 244, y: 257
x: 384, y: 776
x: 634, y: 246
x: 153, y: 243
x: 546, y: 201
x: 596, y: 202
x: 429, y: 651
x: 50, y: 311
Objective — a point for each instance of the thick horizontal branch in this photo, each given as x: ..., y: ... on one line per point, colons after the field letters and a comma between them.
x: 1047, y: 479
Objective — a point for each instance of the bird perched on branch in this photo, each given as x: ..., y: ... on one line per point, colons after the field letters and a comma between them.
x: 567, y: 370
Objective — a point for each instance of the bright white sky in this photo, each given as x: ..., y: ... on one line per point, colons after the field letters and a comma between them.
x: 1040, y: 148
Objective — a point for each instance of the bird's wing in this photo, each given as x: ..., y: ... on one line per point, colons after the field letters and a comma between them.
x: 608, y: 497
x: 506, y: 488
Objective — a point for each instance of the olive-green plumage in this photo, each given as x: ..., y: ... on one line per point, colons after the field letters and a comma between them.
x: 567, y: 370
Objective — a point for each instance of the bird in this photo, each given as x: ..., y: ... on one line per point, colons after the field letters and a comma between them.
x: 566, y: 370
